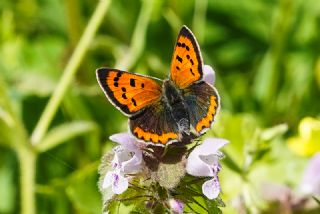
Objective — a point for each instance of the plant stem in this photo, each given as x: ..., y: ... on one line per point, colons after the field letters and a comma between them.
x: 69, y: 72
x: 27, y: 159
x: 138, y: 38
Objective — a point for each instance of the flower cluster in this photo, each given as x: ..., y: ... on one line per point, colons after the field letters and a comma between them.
x: 169, y: 175
x: 127, y: 160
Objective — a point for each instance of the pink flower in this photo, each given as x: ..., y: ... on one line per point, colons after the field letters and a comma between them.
x: 209, y: 74
x: 127, y: 160
x: 204, y: 161
x: 176, y: 206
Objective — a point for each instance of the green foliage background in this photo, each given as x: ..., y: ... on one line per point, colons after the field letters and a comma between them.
x: 267, y: 63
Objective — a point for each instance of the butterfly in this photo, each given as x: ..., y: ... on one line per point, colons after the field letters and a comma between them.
x: 163, y: 112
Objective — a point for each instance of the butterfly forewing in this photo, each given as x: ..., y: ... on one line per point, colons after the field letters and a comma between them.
x: 186, y: 65
x: 128, y: 92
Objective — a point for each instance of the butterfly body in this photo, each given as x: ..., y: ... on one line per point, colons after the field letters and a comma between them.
x: 162, y: 112
x: 173, y: 98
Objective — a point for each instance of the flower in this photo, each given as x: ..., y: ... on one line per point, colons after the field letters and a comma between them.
x: 127, y: 160
x: 209, y: 74
x: 211, y: 188
x: 307, y: 143
x: 128, y: 156
x: 176, y: 205
x: 118, y: 183
x: 204, y: 161
x: 310, y: 183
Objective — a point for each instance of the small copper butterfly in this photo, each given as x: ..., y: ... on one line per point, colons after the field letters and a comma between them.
x: 163, y: 112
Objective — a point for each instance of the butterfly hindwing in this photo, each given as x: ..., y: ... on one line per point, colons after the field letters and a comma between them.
x: 155, y: 125
x: 186, y: 65
x: 129, y: 92
x: 202, y: 101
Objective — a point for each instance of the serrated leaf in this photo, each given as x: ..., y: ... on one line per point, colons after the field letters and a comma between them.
x: 62, y: 133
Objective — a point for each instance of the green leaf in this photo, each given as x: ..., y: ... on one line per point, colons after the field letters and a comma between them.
x: 83, y: 193
x: 231, y: 164
x: 7, y: 187
x: 63, y: 133
x: 6, y: 117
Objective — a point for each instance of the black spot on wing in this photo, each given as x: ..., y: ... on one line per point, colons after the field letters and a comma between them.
x: 179, y: 58
x: 186, y: 32
x: 134, y: 101
x: 191, y: 71
x: 133, y: 82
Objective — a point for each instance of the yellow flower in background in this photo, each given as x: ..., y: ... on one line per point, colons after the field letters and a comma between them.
x: 308, y: 141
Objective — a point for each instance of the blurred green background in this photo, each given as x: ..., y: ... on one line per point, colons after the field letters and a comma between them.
x: 267, y: 63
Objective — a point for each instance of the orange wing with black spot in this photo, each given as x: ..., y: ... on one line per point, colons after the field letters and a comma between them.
x: 139, y: 97
x: 186, y: 65
x: 129, y: 92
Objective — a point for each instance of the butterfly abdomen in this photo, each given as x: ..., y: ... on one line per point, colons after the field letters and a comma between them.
x: 175, y: 102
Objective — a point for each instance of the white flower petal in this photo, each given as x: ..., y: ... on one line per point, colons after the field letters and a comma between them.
x: 211, y: 188
x: 120, y: 155
x: 125, y: 140
x: 107, y: 181
x: 133, y: 165
x: 210, y: 146
x: 209, y: 74
x: 120, y: 183
x: 212, y: 160
x: 196, y: 167
x: 176, y: 205
x: 203, y: 160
